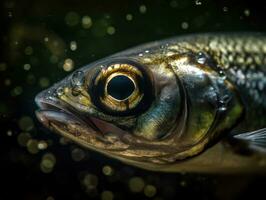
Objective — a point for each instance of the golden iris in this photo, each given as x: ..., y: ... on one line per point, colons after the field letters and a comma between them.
x: 119, y: 87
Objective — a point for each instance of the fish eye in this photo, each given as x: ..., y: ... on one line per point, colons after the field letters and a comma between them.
x: 121, y: 88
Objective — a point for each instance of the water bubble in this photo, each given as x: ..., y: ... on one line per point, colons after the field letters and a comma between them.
x: 90, y: 181
x: 222, y: 74
x: 247, y: 12
x: 32, y: 146
x: 42, y: 145
x: 198, y: 2
x: 77, y: 78
x: 17, y: 91
x: 107, y: 170
x: 60, y: 91
x: 9, y: 133
x: 136, y: 184
x: 73, y: 46
x: 149, y: 190
x: 142, y: 9
x: 223, y: 103
x: 68, y: 65
x: 47, y: 163
x: 225, y: 9
x: 129, y: 17
x: 86, y: 22
x: 23, y: 139
x: 183, y: 183
x: 110, y: 30
x: 201, y: 58
x: 184, y: 25
x: 26, y: 67
x: 222, y: 108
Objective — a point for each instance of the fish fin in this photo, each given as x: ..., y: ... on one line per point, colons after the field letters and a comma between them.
x: 254, y: 140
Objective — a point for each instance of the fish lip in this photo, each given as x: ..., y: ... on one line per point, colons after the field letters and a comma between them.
x: 51, y: 109
x: 50, y: 103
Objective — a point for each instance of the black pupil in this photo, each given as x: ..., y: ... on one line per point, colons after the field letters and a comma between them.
x: 120, y: 87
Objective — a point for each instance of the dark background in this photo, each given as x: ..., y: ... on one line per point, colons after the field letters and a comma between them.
x: 35, y: 53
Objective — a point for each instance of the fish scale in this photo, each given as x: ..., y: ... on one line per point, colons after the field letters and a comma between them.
x: 198, y: 105
x: 243, y: 60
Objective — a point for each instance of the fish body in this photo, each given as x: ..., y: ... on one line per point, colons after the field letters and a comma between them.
x: 194, y: 103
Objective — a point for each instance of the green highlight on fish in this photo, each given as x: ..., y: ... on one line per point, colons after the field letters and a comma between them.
x: 193, y: 103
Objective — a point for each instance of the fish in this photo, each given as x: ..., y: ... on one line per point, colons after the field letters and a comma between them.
x: 194, y: 103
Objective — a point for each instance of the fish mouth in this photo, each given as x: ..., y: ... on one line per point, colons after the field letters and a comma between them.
x: 62, y: 118
x: 56, y: 114
x: 82, y: 129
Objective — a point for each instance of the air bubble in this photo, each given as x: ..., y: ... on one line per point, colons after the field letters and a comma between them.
x: 198, y: 2
x: 221, y: 73
x: 60, y: 91
x: 129, y: 17
x: 201, y: 58
x: 222, y: 109
x: 77, y: 78
x: 222, y: 103
x: 184, y: 25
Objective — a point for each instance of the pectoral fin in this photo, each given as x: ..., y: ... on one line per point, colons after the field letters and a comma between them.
x: 251, y: 141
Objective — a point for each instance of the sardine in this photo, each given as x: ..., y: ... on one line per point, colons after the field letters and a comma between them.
x: 193, y: 103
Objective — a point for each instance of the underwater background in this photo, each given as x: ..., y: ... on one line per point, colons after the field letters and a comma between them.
x: 43, y: 41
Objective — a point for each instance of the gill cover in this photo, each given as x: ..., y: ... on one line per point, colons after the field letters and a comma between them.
x: 153, y: 109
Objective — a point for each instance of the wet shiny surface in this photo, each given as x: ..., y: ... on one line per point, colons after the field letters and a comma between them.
x: 43, y: 41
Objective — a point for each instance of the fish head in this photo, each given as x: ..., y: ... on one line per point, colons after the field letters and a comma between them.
x: 146, y: 108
